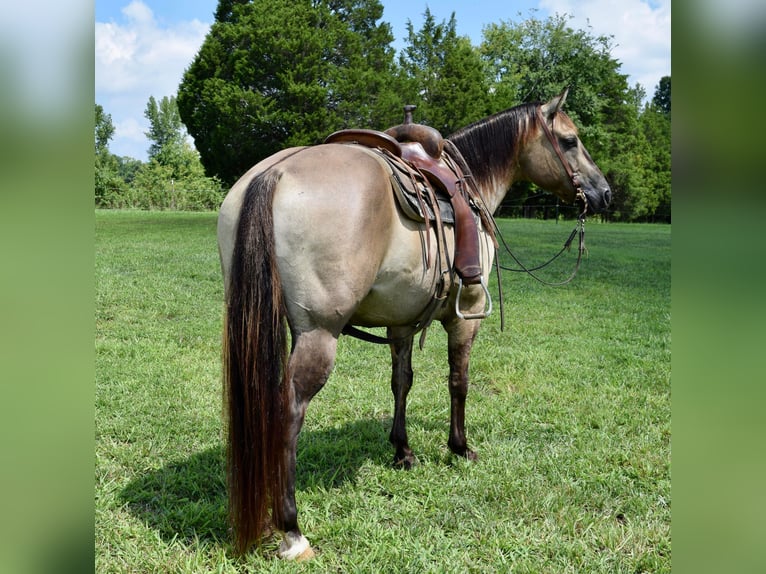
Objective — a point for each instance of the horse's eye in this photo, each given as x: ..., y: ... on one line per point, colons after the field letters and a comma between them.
x: 569, y: 142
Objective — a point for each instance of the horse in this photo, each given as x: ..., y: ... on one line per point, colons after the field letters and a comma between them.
x: 311, y: 241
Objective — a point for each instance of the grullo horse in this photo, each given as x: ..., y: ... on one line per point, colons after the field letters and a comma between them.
x: 312, y: 241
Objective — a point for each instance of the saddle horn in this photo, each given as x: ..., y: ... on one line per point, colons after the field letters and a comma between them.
x: 428, y: 137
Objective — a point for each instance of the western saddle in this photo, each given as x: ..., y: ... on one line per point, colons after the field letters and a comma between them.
x: 419, y: 151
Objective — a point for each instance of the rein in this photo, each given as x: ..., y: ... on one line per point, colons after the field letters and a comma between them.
x: 579, y: 229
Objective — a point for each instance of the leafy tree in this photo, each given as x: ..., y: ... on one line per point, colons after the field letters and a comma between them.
x: 277, y: 73
x: 128, y: 167
x: 107, y: 181
x: 166, y: 131
x: 655, y: 126
x: 661, y: 98
x: 104, y: 129
x: 534, y: 59
x: 174, y: 166
x: 443, y: 75
x: 639, y: 167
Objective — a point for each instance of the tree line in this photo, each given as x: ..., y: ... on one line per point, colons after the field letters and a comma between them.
x: 172, y: 178
x: 278, y: 73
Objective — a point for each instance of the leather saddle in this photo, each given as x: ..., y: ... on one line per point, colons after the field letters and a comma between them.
x: 420, y: 149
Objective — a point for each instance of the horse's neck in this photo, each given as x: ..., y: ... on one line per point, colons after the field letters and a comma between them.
x: 494, y: 181
x: 495, y: 189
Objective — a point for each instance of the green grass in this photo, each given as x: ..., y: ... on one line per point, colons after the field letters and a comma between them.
x: 569, y: 411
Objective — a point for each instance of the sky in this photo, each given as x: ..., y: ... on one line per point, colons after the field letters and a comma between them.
x: 144, y: 46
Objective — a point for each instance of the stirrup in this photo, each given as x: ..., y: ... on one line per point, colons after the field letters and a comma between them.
x: 487, y: 298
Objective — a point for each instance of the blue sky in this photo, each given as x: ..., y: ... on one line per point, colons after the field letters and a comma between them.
x: 143, y: 46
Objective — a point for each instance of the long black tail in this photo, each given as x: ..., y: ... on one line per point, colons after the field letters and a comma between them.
x: 254, y: 362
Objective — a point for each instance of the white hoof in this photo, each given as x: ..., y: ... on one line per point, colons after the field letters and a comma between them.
x: 295, y: 548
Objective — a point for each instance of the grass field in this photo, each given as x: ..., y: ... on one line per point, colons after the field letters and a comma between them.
x: 568, y: 409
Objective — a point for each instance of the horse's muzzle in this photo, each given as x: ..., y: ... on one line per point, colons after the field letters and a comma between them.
x: 598, y: 200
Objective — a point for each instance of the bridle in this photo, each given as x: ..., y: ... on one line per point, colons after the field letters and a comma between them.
x: 574, y: 176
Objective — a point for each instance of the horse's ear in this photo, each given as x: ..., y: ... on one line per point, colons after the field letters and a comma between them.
x: 550, y: 108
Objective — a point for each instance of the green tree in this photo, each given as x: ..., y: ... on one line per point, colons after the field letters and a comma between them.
x: 443, y: 75
x: 661, y: 99
x: 107, y: 182
x: 169, y: 147
x: 639, y: 165
x: 104, y: 130
x: 655, y: 126
x: 174, y: 168
x: 166, y: 131
x: 277, y: 73
x: 128, y: 167
x: 532, y: 59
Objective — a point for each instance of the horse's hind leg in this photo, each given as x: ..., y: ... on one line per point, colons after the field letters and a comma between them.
x: 401, y: 382
x: 311, y: 361
x: 461, y: 335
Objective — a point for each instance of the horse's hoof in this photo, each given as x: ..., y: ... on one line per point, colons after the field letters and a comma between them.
x: 406, y: 462
x: 295, y: 547
x: 307, y: 554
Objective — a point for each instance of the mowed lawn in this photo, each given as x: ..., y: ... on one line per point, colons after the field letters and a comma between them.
x: 568, y: 409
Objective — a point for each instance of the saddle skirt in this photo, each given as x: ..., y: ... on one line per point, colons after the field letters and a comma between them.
x: 411, y: 190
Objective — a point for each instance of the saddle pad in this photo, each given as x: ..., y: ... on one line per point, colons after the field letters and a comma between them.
x: 407, y: 196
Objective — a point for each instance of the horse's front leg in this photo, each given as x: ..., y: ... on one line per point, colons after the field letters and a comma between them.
x: 461, y: 335
x: 401, y: 382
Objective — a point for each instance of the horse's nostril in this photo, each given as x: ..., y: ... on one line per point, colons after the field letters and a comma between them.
x: 608, y: 196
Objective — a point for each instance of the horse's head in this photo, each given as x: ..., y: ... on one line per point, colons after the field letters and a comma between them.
x: 556, y: 160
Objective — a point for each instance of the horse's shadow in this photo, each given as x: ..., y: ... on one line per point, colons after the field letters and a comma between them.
x: 187, y: 500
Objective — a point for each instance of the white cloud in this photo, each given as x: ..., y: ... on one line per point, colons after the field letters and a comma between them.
x: 641, y: 31
x: 137, y: 58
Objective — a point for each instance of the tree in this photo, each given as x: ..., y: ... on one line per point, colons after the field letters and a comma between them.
x: 655, y: 125
x: 174, y: 166
x: 104, y: 130
x: 166, y: 131
x: 107, y: 182
x: 534, y: 59
x: 661, y: 98
x: 443, y: 75
x: 169, y: 147
x: 278, y: 73
x: 638, y: 167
